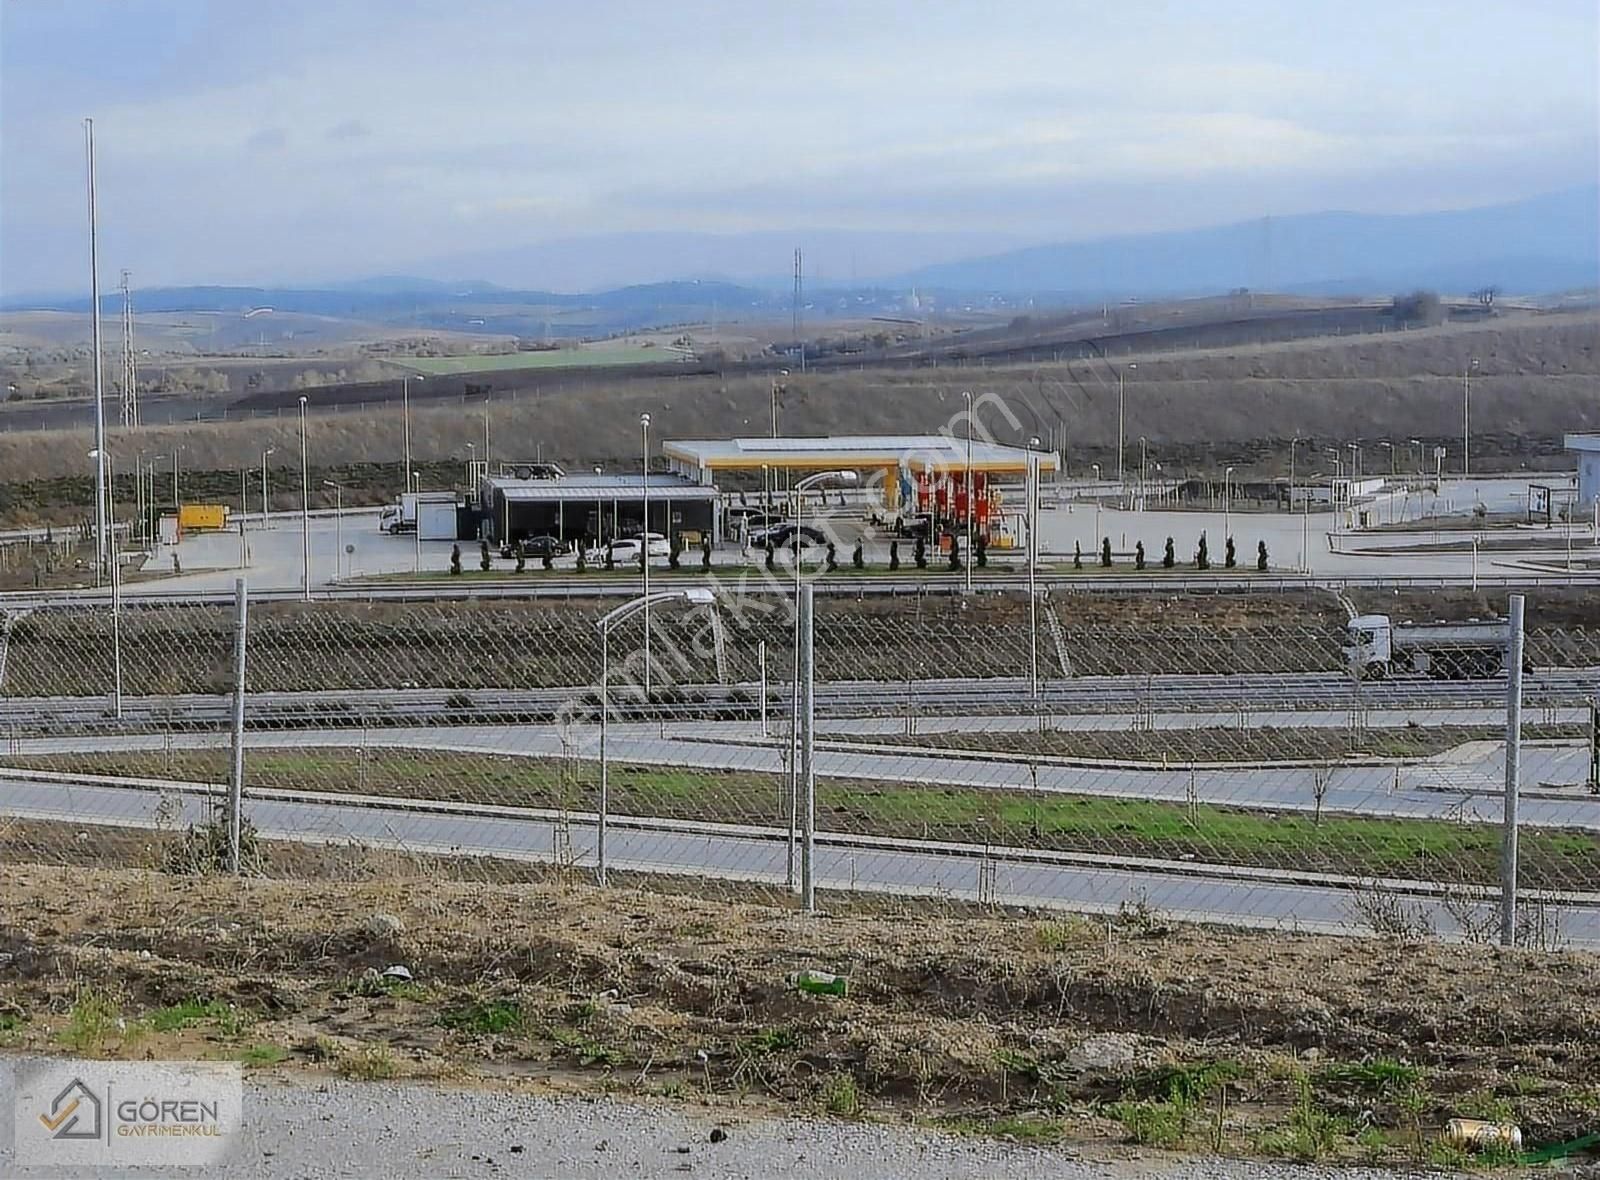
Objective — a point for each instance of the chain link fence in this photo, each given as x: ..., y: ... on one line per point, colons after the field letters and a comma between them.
x: 1228, y: 764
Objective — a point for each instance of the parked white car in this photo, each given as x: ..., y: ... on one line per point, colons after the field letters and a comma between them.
x: 624, y: 551
x: 659, y: 545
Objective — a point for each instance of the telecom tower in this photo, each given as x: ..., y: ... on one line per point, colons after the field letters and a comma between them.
x: 799, y: 296
x: 130, y: 372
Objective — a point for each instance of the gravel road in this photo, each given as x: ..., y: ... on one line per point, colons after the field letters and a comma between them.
x: 310, y: 1129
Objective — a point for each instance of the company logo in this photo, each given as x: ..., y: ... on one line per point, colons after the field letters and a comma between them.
x: 74, y: 1113
x: 110, y: 1113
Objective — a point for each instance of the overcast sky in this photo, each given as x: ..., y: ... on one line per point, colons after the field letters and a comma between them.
x: 297, y: 140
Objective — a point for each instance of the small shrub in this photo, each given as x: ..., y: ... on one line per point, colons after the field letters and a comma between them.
x: 833, y: 558
x: 1202, y: 556
x: 1230, y: 559
x: 548, y: 562
x: 522, y: 560
x: 1169, y: 558
x: 488, y: 1017
x: 91, y: 1020
x: 955, y: 552
x: 1077, y: 556
x: 858, y: 557
x: 1138, y: 556
x: 705, y: 553
x: 841, y: 1096
x: 894, y: 555
x: 455, y: 559
x: 1261, y: 556
x: 1152, y: 1124
x: 919, y: 553
x: 369, y: 1063
x: 483, y: 556
x: 1105, y: 553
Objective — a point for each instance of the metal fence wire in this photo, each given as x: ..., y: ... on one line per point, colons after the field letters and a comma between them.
x: 1236, y: 768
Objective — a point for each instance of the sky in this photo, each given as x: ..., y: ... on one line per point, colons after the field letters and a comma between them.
x: 313, y: 140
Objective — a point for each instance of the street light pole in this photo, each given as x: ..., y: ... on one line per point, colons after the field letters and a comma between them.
x: 102, y: 460
x: 100, y: 489
x: 1144, y: 466
x: 798, y: 494
x: 644, y: 545
x: 265, y: 518
x: 1033, y: 566
x: 694, y: 594
x: 971, y: 507
x: 338, y: 526
x: 405, y: 418
x: 305, y: 510
x: 416, y: 531
x: 1121, y: 420
x: 1466, y: 415
x: 1227, y: 502
x: 599, y: 513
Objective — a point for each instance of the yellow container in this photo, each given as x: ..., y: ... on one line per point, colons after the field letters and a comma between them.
x: 1477, y: 1134
x: 197, y: 517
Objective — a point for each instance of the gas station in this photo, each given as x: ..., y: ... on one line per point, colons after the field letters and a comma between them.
x: 905, y: 476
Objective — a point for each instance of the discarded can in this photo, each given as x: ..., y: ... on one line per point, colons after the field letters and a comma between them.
x: 1478, y: 1134
x: 820, y: 983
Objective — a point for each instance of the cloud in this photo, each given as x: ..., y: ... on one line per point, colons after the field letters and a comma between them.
x: 349, y: 129
x: 268, y: 139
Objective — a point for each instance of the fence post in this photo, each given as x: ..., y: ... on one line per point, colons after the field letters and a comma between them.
x: 808, y: 769
x: 1508, y: 850
x: 1594, y: 747
x: 241, y: 608
x: 761, y: 656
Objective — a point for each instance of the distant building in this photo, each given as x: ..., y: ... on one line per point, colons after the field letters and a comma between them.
x: 1587, y: 448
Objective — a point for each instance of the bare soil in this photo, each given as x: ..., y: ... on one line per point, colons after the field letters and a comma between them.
x: 1538, y: 376
x: 1010, y: 1024
x: 1002, y: 1024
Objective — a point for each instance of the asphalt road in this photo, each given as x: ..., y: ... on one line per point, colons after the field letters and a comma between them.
x: 1463, y: 790
x: 320, y: 1128
x: 1090, y: 884
x: 1210, y: 694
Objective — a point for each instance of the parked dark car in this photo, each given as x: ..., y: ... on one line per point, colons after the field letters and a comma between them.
x: 537, y: 547
x: 781, y: 536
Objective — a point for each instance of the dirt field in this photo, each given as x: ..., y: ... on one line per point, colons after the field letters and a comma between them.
x: 1538, y: 377
x: 1127, y: 1030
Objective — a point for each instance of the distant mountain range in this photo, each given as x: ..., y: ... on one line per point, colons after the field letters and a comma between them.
x: 1543, y: 244
x: 1546, y: 243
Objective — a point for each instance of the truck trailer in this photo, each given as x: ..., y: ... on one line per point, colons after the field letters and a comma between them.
x: 432, y: 514
x: 1377, y: 647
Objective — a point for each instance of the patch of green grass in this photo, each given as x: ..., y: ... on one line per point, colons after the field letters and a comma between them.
x: 11, y: 1021
x: 485, y: 1017
x: 1152, y: 1124
x: 1311, y: 1132
x: 188, y: 1012
x: 770, y: 1040
x: 553, y: 358
x: 1486, y: 1105
x: 1058, y: 936
x: 588, y: 1051
x: 1381, y: 1075
x: 1026, y: 1128
x: 91, y: 1020
x: 1189, y: 1083
x: 258, y: 1056
x: 369, y: 1063
x: 841, y: 1095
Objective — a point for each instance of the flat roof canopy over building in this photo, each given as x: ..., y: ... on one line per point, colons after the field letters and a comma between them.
x: 593, y: 507
x: 699, y: 458
x: 1587, y: 447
